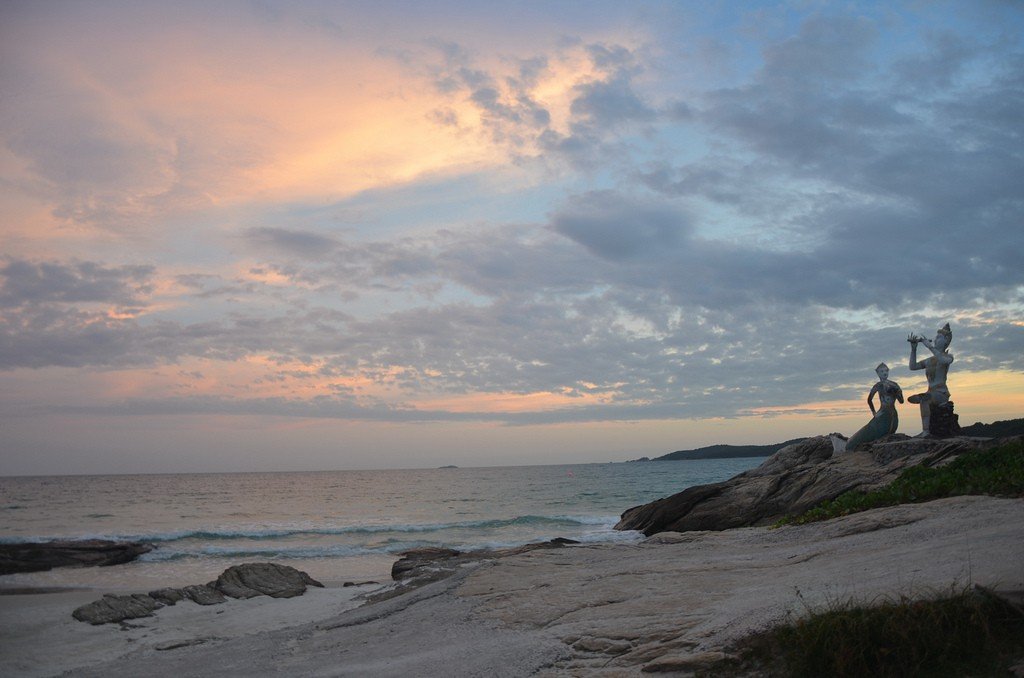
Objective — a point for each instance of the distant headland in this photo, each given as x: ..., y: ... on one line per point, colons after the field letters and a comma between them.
x: 998, y: 429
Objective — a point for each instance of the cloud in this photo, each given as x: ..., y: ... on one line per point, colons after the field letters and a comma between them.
x: 304, y: 243
x: 28, y: 282
x: 615, y: 227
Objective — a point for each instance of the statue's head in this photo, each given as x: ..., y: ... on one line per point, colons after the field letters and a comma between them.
x: 882, y: 371
x: 944, y: 337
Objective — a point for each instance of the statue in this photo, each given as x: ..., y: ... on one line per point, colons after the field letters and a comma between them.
x: 937, y: 417
x: 883, y: 421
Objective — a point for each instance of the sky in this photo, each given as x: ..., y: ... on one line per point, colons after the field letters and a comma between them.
x: 255, y: 236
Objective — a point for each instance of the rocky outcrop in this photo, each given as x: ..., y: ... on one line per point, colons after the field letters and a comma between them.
x: 418, y: 567
x: 794, y: 479
x: 38, y: 557
x: 240, y: 581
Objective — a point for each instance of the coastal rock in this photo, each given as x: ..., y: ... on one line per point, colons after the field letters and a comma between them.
x: 113, y: 608
x: 421, y: 566
x: 669, y: 663
x: 794, y: 479
x: 203, y: 594
x: 414, y: 561
x: 264, y: 579
x: 167, y: 596
x: 39, y: 557
x: 240, y: 581
x: 428, y: 562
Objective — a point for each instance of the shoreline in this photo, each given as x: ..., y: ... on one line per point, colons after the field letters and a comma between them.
x: 673, y: 600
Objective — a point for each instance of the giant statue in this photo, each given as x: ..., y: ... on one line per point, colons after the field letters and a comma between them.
x: 937, y: 417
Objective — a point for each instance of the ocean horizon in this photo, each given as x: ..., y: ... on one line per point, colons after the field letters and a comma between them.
x: 338, y: 526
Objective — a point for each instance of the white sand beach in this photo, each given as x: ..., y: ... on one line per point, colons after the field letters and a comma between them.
x: 668, y: 604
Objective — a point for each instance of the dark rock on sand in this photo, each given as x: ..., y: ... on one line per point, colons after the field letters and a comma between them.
x: 167, y: 596
x: 264, y: 579
x: 241, y: 581
x: 794, y: 479
x: 38, y: 557
x: 203, y: 594
x: 113, y: 608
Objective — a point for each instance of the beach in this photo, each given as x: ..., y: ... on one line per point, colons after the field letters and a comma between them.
x: 673, y: 602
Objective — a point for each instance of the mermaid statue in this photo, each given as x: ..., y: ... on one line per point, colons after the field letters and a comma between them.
x: 884, y: 420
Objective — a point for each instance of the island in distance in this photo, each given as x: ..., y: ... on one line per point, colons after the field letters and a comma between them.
x: 993, y: 430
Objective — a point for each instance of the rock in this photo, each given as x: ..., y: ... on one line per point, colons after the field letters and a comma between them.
x: 203, y: 594
x: 114, y: 608
x: 691, y: 662
x: 240, y: 581
x: 602, y: 646
x: 414, y: 561
x: 264, y: 579
x: 176, y: 644
x: 38, y: 557
x: 422, y: 566
x: 794, y: 479
x: 167, y: 596
x: 431, y: 563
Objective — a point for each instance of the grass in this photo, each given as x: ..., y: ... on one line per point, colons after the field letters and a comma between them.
x: 997, y: 472
x: 972, y: 633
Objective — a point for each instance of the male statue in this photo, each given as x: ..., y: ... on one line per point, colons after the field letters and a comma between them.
x: 936, y: 401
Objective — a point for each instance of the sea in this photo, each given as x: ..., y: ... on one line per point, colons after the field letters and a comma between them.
x: 339, y: 526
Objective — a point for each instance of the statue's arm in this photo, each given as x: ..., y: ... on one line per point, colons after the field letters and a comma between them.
x: 899, y: 393
x: 871, y: 398
x: 915, y: 364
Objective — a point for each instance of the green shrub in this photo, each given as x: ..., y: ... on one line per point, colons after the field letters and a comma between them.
x: 973, y: 633
x: 997, y: 472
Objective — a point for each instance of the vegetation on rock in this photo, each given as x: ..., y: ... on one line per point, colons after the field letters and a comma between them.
x: 996, y: 472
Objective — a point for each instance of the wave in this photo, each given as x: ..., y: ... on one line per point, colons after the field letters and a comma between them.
x: 285, y: 553
x: 285, y: 532
x: 389, y: 548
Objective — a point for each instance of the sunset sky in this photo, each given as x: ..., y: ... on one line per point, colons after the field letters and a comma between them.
x: 244, y: 236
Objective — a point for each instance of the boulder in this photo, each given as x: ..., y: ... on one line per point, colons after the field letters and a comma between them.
x: 114, y: 608
x: 263, y: 579
x: 38, y: 557
x: 793, y: 480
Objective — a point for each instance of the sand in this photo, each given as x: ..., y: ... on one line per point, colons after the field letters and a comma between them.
x: 672, y: 602
x: 39, y: 637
